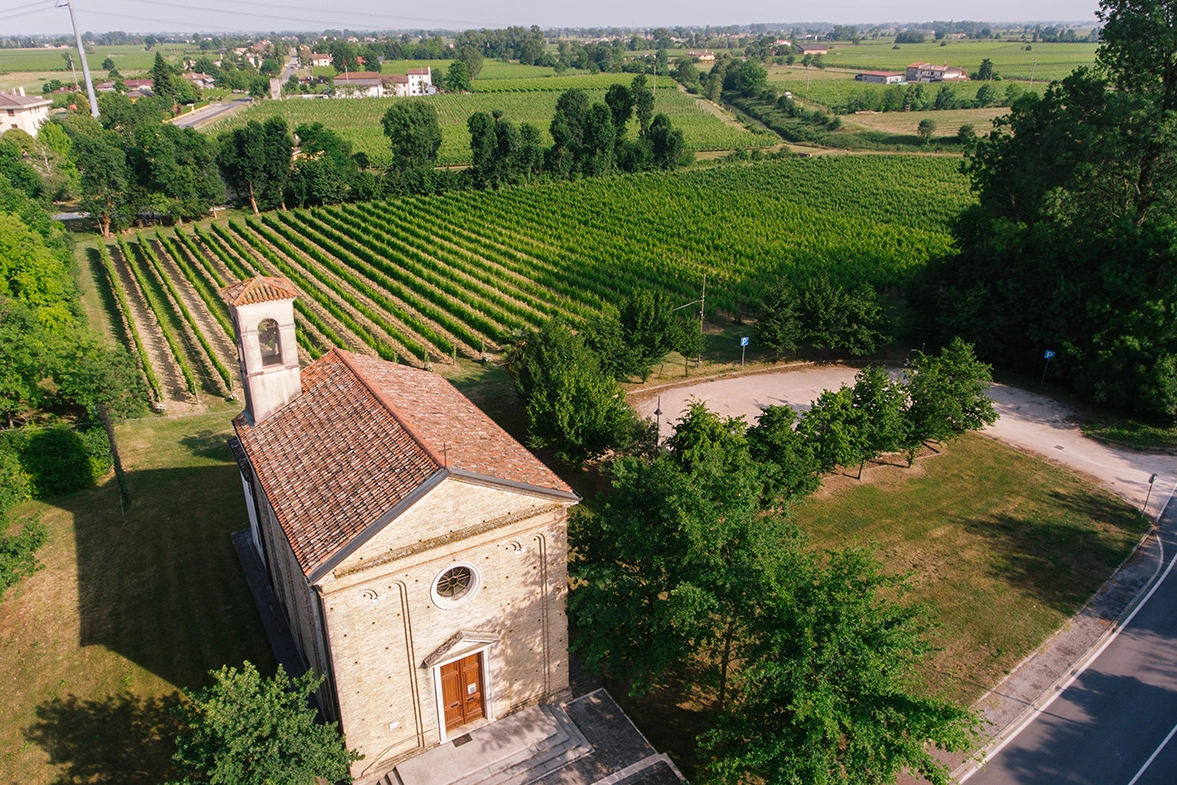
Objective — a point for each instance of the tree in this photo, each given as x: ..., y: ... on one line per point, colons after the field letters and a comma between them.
x: 643, y: 101
x: 822, y: 314
x: 472, y: 58
x: 792, y: 469
x: 882, y: 405
x: 826, y: 694
x: 948, y: 394
x: 667, y: 143
x: 176, y: 167
x: 108, y: 64
x: 326, y: 170
x: 255, y: 162
x: 572, y: 405
x: 619, y: 98
x: 163, y: 83
x: 457, y: 77
x: 648, y: 326
x: 103, y: 179
x: 413, y: 130
x: 250, y: 730
x: 1075, y: 206
x: 834, y: 430
x: 925, y: 129
x: 665, y: 573
x: 985, y: 72
x: 565, y: 157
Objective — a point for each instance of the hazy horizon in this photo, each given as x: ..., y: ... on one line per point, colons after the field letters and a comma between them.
x: 213, y: 16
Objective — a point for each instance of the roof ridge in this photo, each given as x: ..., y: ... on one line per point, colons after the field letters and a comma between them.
x: 387, y: 404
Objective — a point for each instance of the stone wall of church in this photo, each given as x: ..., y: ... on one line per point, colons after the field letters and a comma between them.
x: 293, y: 592
x: 383, y: 621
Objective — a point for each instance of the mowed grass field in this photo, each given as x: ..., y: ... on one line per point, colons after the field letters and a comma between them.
x: 1004, y: 546
x: 132, y: 604
x: 358, y: 119
x: 948, y: 122
x: 1010, y: 58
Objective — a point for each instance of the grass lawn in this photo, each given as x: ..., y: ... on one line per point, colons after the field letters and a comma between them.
x: 131, y: 605
x: 1004, y: 546
x: 948, y: 121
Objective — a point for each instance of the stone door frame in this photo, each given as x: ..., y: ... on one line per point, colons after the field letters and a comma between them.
x: 487, y: 670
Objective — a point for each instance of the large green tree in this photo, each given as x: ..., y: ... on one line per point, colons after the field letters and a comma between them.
x: 104, y: 179
x: 414, y: 132
x: 246, y: 729
x: 1072, y: 245
x: 255, y: 161
x: 572, y: 405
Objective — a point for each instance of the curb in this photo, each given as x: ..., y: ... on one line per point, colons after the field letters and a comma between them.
x: 1023, y: 719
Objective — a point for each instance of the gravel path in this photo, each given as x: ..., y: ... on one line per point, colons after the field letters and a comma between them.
x: 1028, y: 421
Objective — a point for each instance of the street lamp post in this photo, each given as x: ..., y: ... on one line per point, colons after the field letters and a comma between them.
x: 1148, y: 495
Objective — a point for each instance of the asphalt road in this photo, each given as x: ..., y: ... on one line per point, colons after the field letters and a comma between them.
x: 213, y: 112
x: 1116, y: 724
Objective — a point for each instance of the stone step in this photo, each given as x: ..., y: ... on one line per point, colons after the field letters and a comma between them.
x: 513, y: 751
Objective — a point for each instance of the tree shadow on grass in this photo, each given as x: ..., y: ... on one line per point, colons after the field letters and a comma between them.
x: 1061, y: 559
x: 208, y: 444
x: 121, y: 739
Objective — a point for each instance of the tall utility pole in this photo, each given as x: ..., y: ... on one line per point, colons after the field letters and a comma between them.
x: 82, y: 55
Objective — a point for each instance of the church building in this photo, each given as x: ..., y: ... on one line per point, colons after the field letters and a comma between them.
x: 418, y: 551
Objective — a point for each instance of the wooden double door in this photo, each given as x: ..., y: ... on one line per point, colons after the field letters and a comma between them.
x: 462, y: 691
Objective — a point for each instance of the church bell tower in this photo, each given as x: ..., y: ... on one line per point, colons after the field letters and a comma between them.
x: 263, y: 318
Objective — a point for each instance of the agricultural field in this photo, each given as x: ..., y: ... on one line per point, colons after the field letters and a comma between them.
x: 948, y: 122
x: 1010, y: 59
x: 837, y: 88
x: 427, y: 280
x: 358, y: 119
x: 126, y: 58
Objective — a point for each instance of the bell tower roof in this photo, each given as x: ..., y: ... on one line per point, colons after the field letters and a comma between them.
x: 260, y: 289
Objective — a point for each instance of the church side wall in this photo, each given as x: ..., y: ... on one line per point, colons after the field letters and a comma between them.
x: 383, y: 621
x: 293, y: 592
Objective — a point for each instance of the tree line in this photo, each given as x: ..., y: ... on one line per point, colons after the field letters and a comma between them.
x: 691, y: 570
x: 131, y: 167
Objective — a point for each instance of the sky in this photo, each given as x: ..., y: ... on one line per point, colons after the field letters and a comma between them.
x: 19, y: 17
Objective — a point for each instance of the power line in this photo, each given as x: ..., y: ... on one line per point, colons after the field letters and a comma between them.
x: 327, y: 22
x: 26, y: 13
x: 286, y: 7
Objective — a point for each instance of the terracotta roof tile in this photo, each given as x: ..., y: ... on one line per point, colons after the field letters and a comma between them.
x: 361, y: 438
x: 259, y: 289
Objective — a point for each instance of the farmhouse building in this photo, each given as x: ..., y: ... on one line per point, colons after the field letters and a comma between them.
x: 26, y: 112
x: 417, y: 551
x: 320, y: 59
x: 359, y: 84
x: 420, y: 81
x: 813, y: 48
x: 927, y: 72
x: 880, y: 77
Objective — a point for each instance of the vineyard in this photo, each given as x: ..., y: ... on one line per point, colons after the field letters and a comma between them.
x: 836, y: 89
x: 426, y: 280
x: 521, y: 100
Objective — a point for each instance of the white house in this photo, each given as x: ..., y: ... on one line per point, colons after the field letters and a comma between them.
x: 880, y: 77
x: 26, y: 112
x: 421, y: 81
x: 320, y: 60
x: 359, y: 84
x: 927, y: 72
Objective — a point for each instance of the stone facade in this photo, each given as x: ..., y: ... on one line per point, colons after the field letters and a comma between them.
x: 359, y: 505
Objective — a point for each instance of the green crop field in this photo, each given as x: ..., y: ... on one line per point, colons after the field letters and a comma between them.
x: 358, y: 119
x: 1010, y: 59
x: 835, y: 89
x: 126, y: 58
x: 428, y: 278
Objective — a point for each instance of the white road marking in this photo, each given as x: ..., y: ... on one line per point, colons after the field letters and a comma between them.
x: 1086, y: 664
x: 1152, y: 757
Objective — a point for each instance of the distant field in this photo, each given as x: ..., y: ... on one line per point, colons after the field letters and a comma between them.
x: 491, y: 69
x: 1010, y: 59
x: 836, y: 88
x: 126, y: 58
x: 947, y: 122
x: 358, y: 119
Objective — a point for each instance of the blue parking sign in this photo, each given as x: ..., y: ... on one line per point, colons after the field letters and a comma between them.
x: 743, y: 342
x: 1049, y: 355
